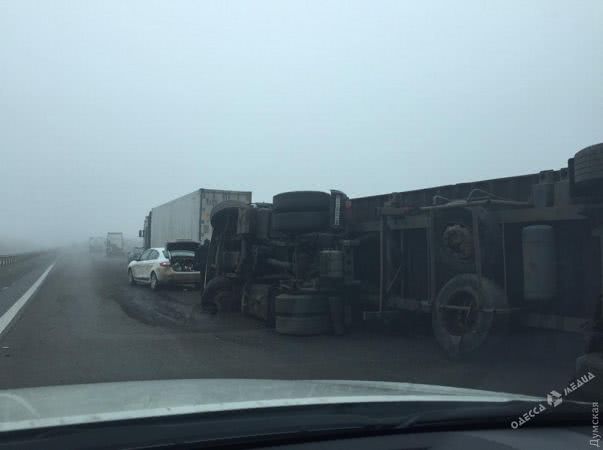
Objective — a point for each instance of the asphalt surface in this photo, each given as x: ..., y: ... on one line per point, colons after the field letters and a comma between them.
x: 86, y: 324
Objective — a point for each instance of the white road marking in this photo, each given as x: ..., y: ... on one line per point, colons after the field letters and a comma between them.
x: 10, y: 315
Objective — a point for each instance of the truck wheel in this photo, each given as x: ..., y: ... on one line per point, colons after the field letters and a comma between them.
x: 154, y: 282
x: 223, y: 209
x: 302, y: 326
x: 300, y: 221
x: 588, y: 166
x: 464, y: 313
x: 455, y: 243
x: 301, y: 304
x: 302, y: 314
x: 301, y: 201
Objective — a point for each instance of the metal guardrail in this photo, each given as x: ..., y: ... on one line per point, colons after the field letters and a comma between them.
x: 6, y: 260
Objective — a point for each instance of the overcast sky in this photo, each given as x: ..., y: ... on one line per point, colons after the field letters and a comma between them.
x: 109, y: 108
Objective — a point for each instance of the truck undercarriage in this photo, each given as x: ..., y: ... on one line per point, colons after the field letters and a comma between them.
x: 478, y: 257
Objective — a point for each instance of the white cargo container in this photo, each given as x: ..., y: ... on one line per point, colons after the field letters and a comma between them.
x: 114, y: 243
x: 187, y: 217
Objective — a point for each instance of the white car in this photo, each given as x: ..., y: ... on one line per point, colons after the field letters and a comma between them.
x: 172, y: 264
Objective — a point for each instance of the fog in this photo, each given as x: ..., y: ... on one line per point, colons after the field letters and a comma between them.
x: 110, y: 108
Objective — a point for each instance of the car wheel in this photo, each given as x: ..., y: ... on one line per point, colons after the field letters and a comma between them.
x: 154, y: 281
x: 131, y: 280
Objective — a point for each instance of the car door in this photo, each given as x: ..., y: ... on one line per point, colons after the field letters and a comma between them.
x: 149, y: 263
x: 137, y: 267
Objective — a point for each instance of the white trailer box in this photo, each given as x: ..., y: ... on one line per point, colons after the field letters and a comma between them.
x: 187, y: 217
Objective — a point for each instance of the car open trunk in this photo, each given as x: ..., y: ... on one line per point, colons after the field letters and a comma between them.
x: 182, y: 255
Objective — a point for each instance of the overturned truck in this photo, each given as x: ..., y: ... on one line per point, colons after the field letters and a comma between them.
x: 475, y: 256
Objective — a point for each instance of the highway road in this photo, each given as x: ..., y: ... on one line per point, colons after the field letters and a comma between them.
x: 86, y: 324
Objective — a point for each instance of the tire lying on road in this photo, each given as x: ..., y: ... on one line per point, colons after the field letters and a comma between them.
x: 300, y: 221
x: 301, y: 201
x: 302, y: 314
x: 300, y: 304
x: 467, y: 313
x: 588, y: 166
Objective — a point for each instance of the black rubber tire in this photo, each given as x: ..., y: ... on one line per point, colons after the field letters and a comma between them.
x: 460, y: 344
x: 300, y: 221
x: 154, y: 283
x: 131, y: 280
x: 489, y: 238
x: 588, y: 166
x: 223, y: 209
x: 303, y: 326
x: 300, y: 305
x: 301, y: 201
x: 209, y: 294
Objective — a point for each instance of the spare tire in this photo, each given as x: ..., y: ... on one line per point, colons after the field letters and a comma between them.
x: 464, y: 312
x: 300, y: 221
x: 223, y: 209
x: 302, y: 326
x: 588, y: 166
x: 301, y: 201
x: 300, y: 304
x: 454, y: 228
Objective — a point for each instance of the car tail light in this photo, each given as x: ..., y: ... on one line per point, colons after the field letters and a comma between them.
x: 164, y: 264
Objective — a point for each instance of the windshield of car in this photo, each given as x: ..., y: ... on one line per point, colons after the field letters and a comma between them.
x: 396, y: 196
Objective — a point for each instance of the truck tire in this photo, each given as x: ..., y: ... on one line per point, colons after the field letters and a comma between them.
x: 223, y: 209
x: 302, y: 326
x: 211, y: 295
x: 588, y: 166
x: 461, y: 332
x: 301, y: 201
x: 455, y: 239
x: 300, y: 305
x: 300, y: 221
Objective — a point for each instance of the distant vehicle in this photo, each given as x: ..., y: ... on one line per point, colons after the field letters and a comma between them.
x: 96, y: 244
x: 173, y: 264
x: 135, y: 253
x: 187, y: 217
x: 114, y: 244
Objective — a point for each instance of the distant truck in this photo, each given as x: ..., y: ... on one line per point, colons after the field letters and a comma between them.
x: 187, y: 217
x: 114, y: 244
x: 96, y: 244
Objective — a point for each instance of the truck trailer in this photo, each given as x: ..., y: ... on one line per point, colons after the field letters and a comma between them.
x: 187, y: 217
x: 114, y: 244
x: 478, y: 257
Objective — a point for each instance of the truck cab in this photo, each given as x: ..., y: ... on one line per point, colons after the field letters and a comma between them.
x: 114, y: 244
